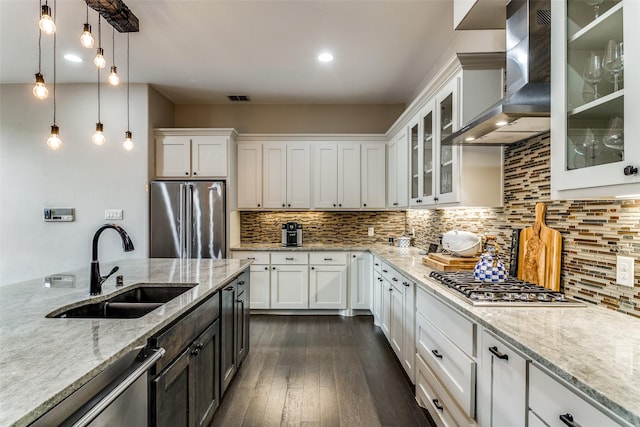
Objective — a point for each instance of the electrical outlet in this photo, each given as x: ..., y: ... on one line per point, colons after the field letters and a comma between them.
x: 625, y: 271
x: 371, y: 233
x: 113, y: 214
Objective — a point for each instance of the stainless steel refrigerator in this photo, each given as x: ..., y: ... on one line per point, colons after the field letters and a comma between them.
x: 188, y: 219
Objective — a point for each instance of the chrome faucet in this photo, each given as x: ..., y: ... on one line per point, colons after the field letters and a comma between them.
x: 96, y: 280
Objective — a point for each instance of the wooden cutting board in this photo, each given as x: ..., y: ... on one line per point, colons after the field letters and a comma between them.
x: 449, y: 263
x: 540, y: 253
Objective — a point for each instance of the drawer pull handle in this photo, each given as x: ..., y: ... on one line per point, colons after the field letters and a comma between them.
x: 328, y: 259
x: 230, y: 288
x: 385, y: 271
x: 407, y: 284
x: 437, y: 404
x: 376, y: 264
x: 394, y: 279
x: 436, y: 353
x: 568, y: 420
x: 289, y: 258
x: 241, y: 282
x: 498, y: 354
x: 251, y: 257
x: 390, y: 289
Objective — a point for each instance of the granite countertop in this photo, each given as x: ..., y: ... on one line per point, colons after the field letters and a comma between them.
x: 43, y: 360
x: 593, y: 348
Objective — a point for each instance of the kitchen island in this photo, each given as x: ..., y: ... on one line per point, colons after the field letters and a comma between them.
x: 43, y: 360
x: 595, y: 350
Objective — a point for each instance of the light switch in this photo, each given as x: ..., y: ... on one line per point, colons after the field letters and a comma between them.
x: 113, y: 214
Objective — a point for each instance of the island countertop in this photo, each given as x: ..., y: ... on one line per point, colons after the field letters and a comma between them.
x: 43, y: 360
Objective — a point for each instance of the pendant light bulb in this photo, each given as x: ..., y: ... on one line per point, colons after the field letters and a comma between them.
x: 46, y: 23
x: 113, y: 78
x: 128, y: 143
x: 86, y: 39
x: 40, y: 91
x: 98, y: 137
x: 54, y: 142
x: 99, y: 60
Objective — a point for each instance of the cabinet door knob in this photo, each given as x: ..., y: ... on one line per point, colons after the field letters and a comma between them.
x: 339, y: 204
x: 385, y: 271
x: 353, y: 256
x: 313, y: 268
x: 390, y: 289
x: 407, y: 284
x: 498, y: 354
x: 195, y: 351
x: 267, y: 268
x: 436, y: 353
x: 437, y: 404
x: 630, y: 170
x: 273, y: 268
x: 289, y: 205
x: 334, y: 205
x: 195, y: 173
x: 186, y: 173
x: 258, y: 204
x: 283, y: 205
x: 364, y: 204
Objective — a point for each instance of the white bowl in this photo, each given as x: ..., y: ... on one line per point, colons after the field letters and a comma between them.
x: 461, y: 243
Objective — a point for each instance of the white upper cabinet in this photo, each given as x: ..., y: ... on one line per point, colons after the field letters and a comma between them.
x: 192, y: 153
x: 286, y: 175
x: 373, y: 175
x: 593, y: 109
x: 397, y: 176
x: 349, y: 175
x: 250, y: 176
x: 326, y: 176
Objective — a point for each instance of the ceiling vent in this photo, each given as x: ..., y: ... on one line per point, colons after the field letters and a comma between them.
x: 238, y: 98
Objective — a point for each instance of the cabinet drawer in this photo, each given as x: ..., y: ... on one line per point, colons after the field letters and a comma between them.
x: 377, y: 264
x: 328, y: 258
x: 454, y: 326
x: 258, y: 257
x: 178, y: 336
x: 454, y: 368
x: 549, y: 400
x: 289, y: 257
x: 391, y: 274
x: 431, y: 394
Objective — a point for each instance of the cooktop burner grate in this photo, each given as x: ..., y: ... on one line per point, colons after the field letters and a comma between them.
x: 511, y: 292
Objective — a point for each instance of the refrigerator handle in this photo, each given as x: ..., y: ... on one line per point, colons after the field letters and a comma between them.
x: 189, y: 222
x: 182, y: 220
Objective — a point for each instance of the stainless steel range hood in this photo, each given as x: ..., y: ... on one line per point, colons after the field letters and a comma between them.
x: 525, y: 110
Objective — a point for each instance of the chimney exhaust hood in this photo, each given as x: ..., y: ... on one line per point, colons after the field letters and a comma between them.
x: 525, y: 110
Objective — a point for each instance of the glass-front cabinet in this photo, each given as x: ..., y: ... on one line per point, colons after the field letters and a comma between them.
x: 448, y: 154
x: 594, y: 97
x: 422, y: 157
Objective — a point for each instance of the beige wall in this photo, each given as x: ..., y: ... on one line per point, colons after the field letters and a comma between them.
x: 285, y: 118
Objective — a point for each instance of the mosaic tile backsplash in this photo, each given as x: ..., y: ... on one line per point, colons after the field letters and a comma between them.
x: 593, y: 232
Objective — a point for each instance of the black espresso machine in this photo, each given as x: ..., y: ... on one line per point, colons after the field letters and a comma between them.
x: 291, y: 234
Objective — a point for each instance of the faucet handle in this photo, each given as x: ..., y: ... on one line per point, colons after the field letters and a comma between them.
x: 113, y: 270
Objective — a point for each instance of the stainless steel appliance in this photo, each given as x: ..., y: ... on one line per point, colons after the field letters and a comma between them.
x: 117, y: 396
x: 524, y: 111
x: 291, y: 234
x: 188, y: 219
x: 512, y: 292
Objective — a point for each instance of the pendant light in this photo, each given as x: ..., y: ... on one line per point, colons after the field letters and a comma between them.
x: 86, y: 38
x: 54, y: 141
x: 99, y: 60
x: 40, y: 91
x: 98, y: 136
x: 113, y: 78
x: 128, y: 143
x: 46, y: 24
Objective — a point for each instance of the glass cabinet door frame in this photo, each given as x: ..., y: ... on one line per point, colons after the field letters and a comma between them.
x: 582, y: 36
x: 452, y: 88
x: 415, y: 160
x: 428, y: 193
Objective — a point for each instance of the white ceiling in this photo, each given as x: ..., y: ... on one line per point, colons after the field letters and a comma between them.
x: 200, y: 51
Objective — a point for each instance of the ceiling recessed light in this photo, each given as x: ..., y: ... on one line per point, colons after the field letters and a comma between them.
x: 325, y: 57
x: 469, y: 138
x: 501, y: 123
x: 72, y: 58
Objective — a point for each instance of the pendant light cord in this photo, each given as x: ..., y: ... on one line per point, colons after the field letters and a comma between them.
x: 40, y: 42
x: 128, y: 80
x: 55, y: 38
x: 113, y: 46
x: 99, y: 46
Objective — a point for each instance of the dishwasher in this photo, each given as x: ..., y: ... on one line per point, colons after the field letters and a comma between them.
x: 116, y: 396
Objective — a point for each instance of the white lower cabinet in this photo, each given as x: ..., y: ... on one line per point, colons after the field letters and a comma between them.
x: 377, y: 288
x: 556, y: 404
x: 259, y: 279
x: 360, y: 276
x: 328, y: 280
x: 445, y: 361
x: 502, y: 384
x: 396, y: 324
x: 290, y: 286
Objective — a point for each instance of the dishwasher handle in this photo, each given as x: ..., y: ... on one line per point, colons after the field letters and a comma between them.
x: 91, y: 414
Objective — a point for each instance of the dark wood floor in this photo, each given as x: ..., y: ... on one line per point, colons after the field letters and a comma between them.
x: 319, y: 371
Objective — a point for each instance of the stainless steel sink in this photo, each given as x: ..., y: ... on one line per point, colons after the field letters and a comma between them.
x: 130, y: 304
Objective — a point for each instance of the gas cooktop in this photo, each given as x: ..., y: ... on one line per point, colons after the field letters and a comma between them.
x: 512, y: 292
